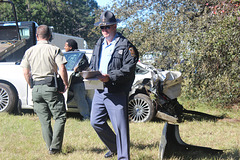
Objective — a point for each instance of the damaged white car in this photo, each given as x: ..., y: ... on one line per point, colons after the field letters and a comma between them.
x: 151, y: 95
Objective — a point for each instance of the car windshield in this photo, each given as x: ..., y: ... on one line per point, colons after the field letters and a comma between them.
x: 73, y: 58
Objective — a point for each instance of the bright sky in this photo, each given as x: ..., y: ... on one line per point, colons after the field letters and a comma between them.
x: 103, y: 3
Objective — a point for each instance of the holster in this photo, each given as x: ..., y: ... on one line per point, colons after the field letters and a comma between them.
x: 60, y: 84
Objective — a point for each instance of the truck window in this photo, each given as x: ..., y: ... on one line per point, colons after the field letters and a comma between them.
x: 8, y: 33
x: 24, y: 33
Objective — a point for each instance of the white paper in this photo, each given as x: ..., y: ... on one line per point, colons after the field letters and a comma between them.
x: 93, y: 83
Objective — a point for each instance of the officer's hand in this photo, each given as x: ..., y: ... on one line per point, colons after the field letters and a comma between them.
x: 104, y: 78
x: 65, y: 89
x: 75, y: 69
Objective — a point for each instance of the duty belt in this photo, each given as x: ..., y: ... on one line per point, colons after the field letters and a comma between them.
x: 47, y: 81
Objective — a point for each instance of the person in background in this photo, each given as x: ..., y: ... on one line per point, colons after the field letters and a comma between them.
x: 41, y: 63
x: 84, y: 102
x: 116, y: 58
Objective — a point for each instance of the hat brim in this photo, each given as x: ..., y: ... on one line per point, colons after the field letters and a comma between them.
x: 107, y: 23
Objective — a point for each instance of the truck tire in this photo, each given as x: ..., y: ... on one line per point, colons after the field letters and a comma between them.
x: 8, y: 98
x: 140, y: 108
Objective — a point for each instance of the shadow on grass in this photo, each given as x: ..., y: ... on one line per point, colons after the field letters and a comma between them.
x: 195, y: 116
x: 69, y: 114
x: 27, y: 112
x: 233, y: 154
x: 70, y: 149
x: 144, y: 146
x: 192, y: 155
x: 200, y: 117
x: 77, y: 116
x: 230, y: 155
x: 98, y: 150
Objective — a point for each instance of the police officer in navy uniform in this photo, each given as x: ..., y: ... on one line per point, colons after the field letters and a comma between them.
x: 41, y: 62
x: 116, y: 58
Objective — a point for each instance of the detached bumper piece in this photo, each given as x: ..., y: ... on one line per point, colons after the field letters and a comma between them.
x: 171, y: 144
x: 167, y: 117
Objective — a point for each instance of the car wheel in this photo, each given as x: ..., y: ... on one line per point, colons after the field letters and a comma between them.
x: 8, y: 98
x: 140, y: 108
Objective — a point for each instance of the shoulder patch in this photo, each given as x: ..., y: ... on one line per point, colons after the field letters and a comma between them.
x: 120, y: 51
x: 132, y: 51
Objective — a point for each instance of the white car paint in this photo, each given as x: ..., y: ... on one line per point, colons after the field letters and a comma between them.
x: 12, y: 73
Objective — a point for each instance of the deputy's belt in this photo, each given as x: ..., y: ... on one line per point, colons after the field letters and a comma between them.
x: 42, y: 82
x: 47, y: 81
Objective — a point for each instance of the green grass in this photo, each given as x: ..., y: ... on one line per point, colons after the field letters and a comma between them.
x: 21, y: 138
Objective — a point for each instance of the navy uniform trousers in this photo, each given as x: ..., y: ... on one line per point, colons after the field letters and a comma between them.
x: 48, y: 102
x: 115, y: 106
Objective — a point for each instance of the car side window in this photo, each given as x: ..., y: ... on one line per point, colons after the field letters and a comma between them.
x: 73, y: 58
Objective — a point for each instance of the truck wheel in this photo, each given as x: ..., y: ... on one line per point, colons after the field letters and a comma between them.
x: 8, y: 98
x: 140, y: 108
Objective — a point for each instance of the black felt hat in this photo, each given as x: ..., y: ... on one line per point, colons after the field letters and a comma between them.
x: 107, y: 18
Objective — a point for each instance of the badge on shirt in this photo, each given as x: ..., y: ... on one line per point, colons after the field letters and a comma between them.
x: 132, y: 51
x: 120, y: 51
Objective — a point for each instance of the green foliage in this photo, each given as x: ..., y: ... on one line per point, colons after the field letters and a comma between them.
x: 198, y: 38
x: 95, y: 32
x: 74, y: 17
x: 214, y: 68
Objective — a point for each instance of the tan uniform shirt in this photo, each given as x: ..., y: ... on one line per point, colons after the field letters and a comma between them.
x: 43, y: 60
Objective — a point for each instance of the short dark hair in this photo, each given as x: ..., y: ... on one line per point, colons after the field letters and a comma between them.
x: 43, y: 31
x: 72, y: 43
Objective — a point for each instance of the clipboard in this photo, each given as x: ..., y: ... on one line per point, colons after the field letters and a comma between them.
x: 90, y: 74
x: 91, y: 81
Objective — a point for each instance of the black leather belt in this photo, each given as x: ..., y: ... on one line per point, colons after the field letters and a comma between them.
x: 42, y: 82
x: 47, y: 81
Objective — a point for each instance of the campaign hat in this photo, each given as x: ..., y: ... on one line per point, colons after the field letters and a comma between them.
x: 107, y: 18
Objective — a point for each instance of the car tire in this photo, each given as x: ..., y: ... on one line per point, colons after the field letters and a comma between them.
x: 140, y: 108
x: 8, y: 98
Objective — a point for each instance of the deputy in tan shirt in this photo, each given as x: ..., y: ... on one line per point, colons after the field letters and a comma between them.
x: 41, y: 62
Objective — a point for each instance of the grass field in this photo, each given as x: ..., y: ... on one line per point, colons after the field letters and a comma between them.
x: 21, y: 139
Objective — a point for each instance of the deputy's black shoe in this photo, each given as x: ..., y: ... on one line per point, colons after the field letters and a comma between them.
x: 110, y: 154
x: 54, y: 151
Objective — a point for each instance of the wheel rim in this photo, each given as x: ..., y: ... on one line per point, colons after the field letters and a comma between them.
x: 138, y: 110
x: 4, y: 99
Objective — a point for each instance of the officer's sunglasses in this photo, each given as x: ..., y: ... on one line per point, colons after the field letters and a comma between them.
x: 105, y: 27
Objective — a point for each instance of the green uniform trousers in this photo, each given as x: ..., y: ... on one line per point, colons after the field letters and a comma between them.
x: 49, y: 102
